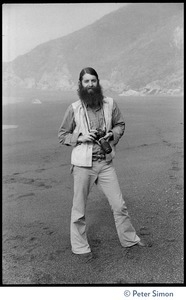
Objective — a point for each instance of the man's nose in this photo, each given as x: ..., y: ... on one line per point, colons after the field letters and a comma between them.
x: 90, y: 83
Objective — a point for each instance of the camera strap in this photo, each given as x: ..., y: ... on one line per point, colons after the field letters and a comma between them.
x: 86, y: 117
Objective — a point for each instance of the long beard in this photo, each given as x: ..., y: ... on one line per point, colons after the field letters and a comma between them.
x: 92, y: 97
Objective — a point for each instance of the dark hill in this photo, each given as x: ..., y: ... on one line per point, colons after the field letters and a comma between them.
x: 137, y: 47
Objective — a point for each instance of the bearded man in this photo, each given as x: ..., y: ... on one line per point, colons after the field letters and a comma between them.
x: 93, y: 126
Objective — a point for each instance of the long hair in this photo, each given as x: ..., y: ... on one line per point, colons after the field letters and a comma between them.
x: 95, y: 99
x: 88, y: 70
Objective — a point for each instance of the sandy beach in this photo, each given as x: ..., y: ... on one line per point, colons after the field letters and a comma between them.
x: 38, y: 190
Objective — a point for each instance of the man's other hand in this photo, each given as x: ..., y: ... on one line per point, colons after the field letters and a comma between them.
x: 89, y: 137
x: 108, y: 136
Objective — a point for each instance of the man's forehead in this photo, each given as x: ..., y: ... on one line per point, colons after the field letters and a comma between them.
x: 89, y: 76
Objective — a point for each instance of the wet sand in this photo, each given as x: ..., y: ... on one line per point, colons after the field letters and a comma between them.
x: 38, y: 190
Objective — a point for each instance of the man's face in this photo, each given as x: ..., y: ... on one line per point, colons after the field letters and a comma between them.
x: 89, y: 82
x: 90, y: 91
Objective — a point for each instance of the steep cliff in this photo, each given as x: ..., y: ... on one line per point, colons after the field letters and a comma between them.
x: 135, y: 48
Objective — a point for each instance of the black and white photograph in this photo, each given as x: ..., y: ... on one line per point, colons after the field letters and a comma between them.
x: 92, y: 146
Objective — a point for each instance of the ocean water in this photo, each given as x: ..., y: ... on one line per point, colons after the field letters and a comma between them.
x: 30, y: 135
x: 9, y: 127
x: 11, y: 100
x: 28, y: 121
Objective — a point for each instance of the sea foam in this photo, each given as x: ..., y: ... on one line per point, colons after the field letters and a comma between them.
x: 9, y: 126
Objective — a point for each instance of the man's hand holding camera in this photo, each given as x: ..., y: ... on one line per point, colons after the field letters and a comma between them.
x: 93, y: 136
x: 88, y: 137
x: 99, y: 137
x: 108, y: 136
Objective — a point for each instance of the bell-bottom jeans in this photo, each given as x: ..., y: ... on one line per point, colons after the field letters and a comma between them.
x: 103, y: 173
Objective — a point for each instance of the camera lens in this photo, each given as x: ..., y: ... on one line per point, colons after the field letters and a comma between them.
x: 105, y: 146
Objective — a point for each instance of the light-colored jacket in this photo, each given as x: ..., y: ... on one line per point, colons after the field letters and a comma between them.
x: 82, y: 153
x: 75, y: 123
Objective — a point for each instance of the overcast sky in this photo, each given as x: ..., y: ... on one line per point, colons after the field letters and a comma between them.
x: 27, y: 25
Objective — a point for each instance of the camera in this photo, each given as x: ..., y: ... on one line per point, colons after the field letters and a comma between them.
x: 99, y: 134
x: 104, y: 144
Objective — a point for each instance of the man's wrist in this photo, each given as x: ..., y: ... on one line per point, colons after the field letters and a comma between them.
x: 111, y: 134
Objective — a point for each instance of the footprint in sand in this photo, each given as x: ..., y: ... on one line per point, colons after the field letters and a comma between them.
x: 48, y: 231
x: 17, y: 237
x: 144, y: 231
x: 42, y: 184
x: 9, y: 179
x: 172, y: 177
x: 32, y: 239
x: 56, y: 254
x: 175, y: 166
x: 178, y: 187
x: 171, y: 240
x: 167, y: 143
x: 16, y: 179
x: 132, y: 252
x: 95, y: 243
x: 26, y: 195
x: 40, y: 170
